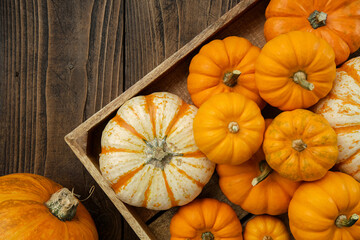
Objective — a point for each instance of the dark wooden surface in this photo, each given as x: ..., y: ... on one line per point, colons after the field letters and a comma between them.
x: 63, y: 60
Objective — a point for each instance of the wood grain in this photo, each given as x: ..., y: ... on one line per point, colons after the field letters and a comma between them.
x: 62, y: 61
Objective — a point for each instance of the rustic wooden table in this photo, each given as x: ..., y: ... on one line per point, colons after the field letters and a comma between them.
x: 62, y: 61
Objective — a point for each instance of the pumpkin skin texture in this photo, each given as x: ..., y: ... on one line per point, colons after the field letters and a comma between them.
x: 205, y: 219
x: 24, y: 215
x: 149, y: 154
x: 268, y: 194
x: 264, y: 227
x: 294, y: 70
x: 211, y: 69
x: 342, y: 109
x: 341, y: 29
x: 300, y: 145
x: 229, y: 128
x: 316, y: 206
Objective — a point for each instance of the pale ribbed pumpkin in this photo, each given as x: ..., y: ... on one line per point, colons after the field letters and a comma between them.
x: 35, y: 207
x: 342, y: 110
x: 149, y: 154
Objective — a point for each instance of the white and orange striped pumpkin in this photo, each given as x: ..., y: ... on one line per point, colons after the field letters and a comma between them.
x: 342, y: 110
x: 149, y: 154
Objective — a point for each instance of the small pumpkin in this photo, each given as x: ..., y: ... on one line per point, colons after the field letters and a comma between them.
x: 328, y: 208
x: 255, y: 187
x: 300, y: 145
x: 226, y: 65
x: 35, y: 207
x: 205, y: 219
x: 149, y: 155
x: 265, y: 227
x: 229, y: 128
x: 341, y: 107
x: 337, y: 22
x: 294, y: 70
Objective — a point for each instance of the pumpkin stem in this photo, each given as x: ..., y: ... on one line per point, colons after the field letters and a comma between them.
x: 233, y: 127
x: 267, y: 238
x: 63, y: 204
x: 300, y: 78
x: 230, y: 78
x: 299, y: 145
x: 317, y: 19
x: 265, y: 171
x: 342, y: 221
x: 207, y: 236
x: 159, y: 154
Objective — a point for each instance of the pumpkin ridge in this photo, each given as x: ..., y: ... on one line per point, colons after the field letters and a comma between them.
x: 195, y: 154
x: 151, y: 109
x: 182, y: 172
x: 125, y: 178
x: 106, y: 150
x: 147, y: 191
x: 122, y: 123
x: 349, y: 160
x: 210, y: 60
x: 168, y: 189
x: 180, y: 113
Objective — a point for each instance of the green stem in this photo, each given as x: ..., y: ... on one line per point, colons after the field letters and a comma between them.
x: 343, y: 221
x: 207, y: 236
x: 317, y: 19
x: 267, y: 238
x: 299, y: 145
x: 63, y: 204
x: 230, y: 78
x: 265, y: 172
x: 300, y: 78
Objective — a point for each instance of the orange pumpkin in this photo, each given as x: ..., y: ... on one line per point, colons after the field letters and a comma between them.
x: 226, y: 65
x: 294, y: 70
x: 300, y: 145
x: 229, y: 128
x: 337, y: 22
x: 255, y: 187
x: 35, y: 207
x: 205, y: 219
x: 341, y: 107
x: 328, y: 208
x: 265, y: 227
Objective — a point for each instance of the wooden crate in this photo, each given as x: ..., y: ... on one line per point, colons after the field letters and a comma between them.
x: 246, y: 19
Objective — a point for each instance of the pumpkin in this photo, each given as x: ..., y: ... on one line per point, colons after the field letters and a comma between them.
x: 255, y: 187
x: 337, y: 22
x: 226, y: 65
x: 205, y: 219
x: 326, y: 209
x: 294, y: 70
x: 265, y: 227
x: 229, y: 128
x: 149, y: 154
x: 35, y: 207
x: 300, y: 145
x: 342, y: 109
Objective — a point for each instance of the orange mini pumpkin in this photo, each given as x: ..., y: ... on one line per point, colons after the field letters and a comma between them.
x: 229, y: 128
x: 300, y: 145
x: 35, y: 207
x: 255, y: 187
x: 337, y: 22
x: 328, y: 208
x: 294, y: 70
x: 264, y: 227
x: 205, y: 219
x: 226, y: 65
